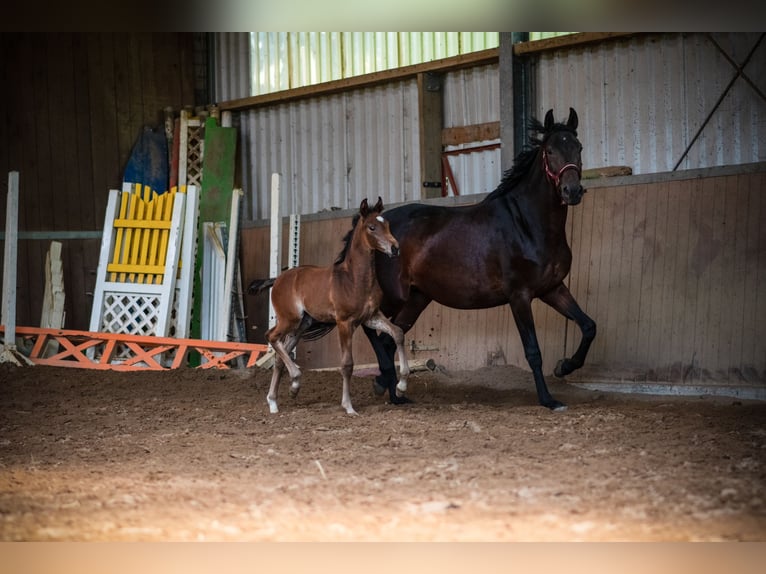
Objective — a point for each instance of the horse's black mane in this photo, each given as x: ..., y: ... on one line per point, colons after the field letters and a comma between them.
x: 347, y: 240
x: 523, y: 162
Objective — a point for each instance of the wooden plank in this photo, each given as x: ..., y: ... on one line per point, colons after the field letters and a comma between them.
x: 731, y: 282
x: 662, y: 295
x: 651, y: 264
x: 431, y: 116
x: 701, y: 256
x: 637, y: 237
x: 215, y: 195
x: 684, y: 288
x: 469, y: 134
x: 472, y: 59
x: 570, y: 40
x: 607, y: 171
x: 754, y: 275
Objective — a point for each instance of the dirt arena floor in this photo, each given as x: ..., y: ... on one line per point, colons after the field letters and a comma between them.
x: 194, y: 455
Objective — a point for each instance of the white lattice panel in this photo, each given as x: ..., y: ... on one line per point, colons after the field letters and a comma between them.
x: 191, y: 150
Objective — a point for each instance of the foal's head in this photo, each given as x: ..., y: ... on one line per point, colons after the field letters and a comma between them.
x: 561, y: 157
x: 375, y: 230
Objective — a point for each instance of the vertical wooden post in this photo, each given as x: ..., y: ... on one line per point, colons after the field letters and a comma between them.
x: 9, y: 263
x: 275, y: 254
x: 9, y: 353
x: 431, y: 105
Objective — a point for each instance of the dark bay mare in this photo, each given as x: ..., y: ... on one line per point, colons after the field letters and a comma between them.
x: 507, y: 249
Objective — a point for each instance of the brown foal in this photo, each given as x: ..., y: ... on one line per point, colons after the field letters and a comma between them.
x: 310, y: 300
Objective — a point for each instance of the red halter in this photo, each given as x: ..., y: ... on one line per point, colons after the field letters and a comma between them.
x: 556, y: 177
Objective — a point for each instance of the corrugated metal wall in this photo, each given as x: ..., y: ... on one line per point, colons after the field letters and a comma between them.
x: 333, y: 151
x: 642, y: 100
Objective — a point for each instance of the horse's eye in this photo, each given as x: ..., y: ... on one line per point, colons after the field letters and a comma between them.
x: 371, y: 227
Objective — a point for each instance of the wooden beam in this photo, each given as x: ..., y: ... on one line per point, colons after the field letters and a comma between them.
x: 470, y: 134
x: 483, y: 57
x: 608, y: 171
x: 567, y: 41
x: 431, y: 104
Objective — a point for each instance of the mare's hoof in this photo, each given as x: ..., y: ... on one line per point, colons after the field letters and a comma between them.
x: 556, y: 406
x: 378, y: 389
x: 400, y: 400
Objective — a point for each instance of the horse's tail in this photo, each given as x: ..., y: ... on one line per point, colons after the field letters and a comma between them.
x: 258, y: 285
x: 317, y: 331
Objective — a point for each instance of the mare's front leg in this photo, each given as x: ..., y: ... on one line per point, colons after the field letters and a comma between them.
x: 381, y: 323
x: 521, y: 306
x: 562, y: 300
x: 345, y: 335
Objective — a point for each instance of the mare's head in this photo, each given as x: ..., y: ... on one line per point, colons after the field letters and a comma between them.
x: 375, y: 231
x: 561, y: 156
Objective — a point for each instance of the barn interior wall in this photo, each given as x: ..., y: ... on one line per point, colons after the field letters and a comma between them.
x: 670, y: 270
x: 645, y: 99
x: 642, y: 101
x: 73, y: 106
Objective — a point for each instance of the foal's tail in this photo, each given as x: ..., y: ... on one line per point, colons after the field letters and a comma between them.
x: 258, y: 285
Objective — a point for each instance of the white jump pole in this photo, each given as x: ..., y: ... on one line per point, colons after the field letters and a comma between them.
x: 275, y: 254
x: 9, y: 353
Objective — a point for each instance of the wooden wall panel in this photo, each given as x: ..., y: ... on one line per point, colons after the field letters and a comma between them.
x: 72, y: 108
x: 672, y: 271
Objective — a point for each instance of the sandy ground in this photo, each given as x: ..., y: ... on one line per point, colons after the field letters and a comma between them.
x: 196, y: 455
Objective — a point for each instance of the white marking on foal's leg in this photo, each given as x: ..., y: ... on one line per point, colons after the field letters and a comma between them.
x: 295, y: 386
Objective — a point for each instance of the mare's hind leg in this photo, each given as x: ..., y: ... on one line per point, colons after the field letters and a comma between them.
x: 381, y: 323
x: 561, y: 299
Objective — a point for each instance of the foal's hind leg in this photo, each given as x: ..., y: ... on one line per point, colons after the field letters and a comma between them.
x: 283, y: 344
x: 562, y: 300
x: 381, y: 323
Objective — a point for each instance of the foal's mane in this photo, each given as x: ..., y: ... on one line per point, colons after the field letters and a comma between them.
x: 523, y: 162
x: 347, y: 240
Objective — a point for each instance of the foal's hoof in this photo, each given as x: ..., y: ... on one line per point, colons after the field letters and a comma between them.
x: 377, y: 388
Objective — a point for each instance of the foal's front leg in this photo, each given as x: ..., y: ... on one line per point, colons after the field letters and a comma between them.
x: 380, y: 322
x: 345, y: 334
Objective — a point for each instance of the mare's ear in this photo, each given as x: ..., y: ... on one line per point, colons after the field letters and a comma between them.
x: 548, y: 121
x: 364, y: 209
x: 572, y: 121
x: 378, y: 206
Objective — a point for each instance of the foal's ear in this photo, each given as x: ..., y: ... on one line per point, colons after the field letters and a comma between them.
x: 364, y: 209
x: 548, y: 121
x: 378, y: 206
x: 572, y: 121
